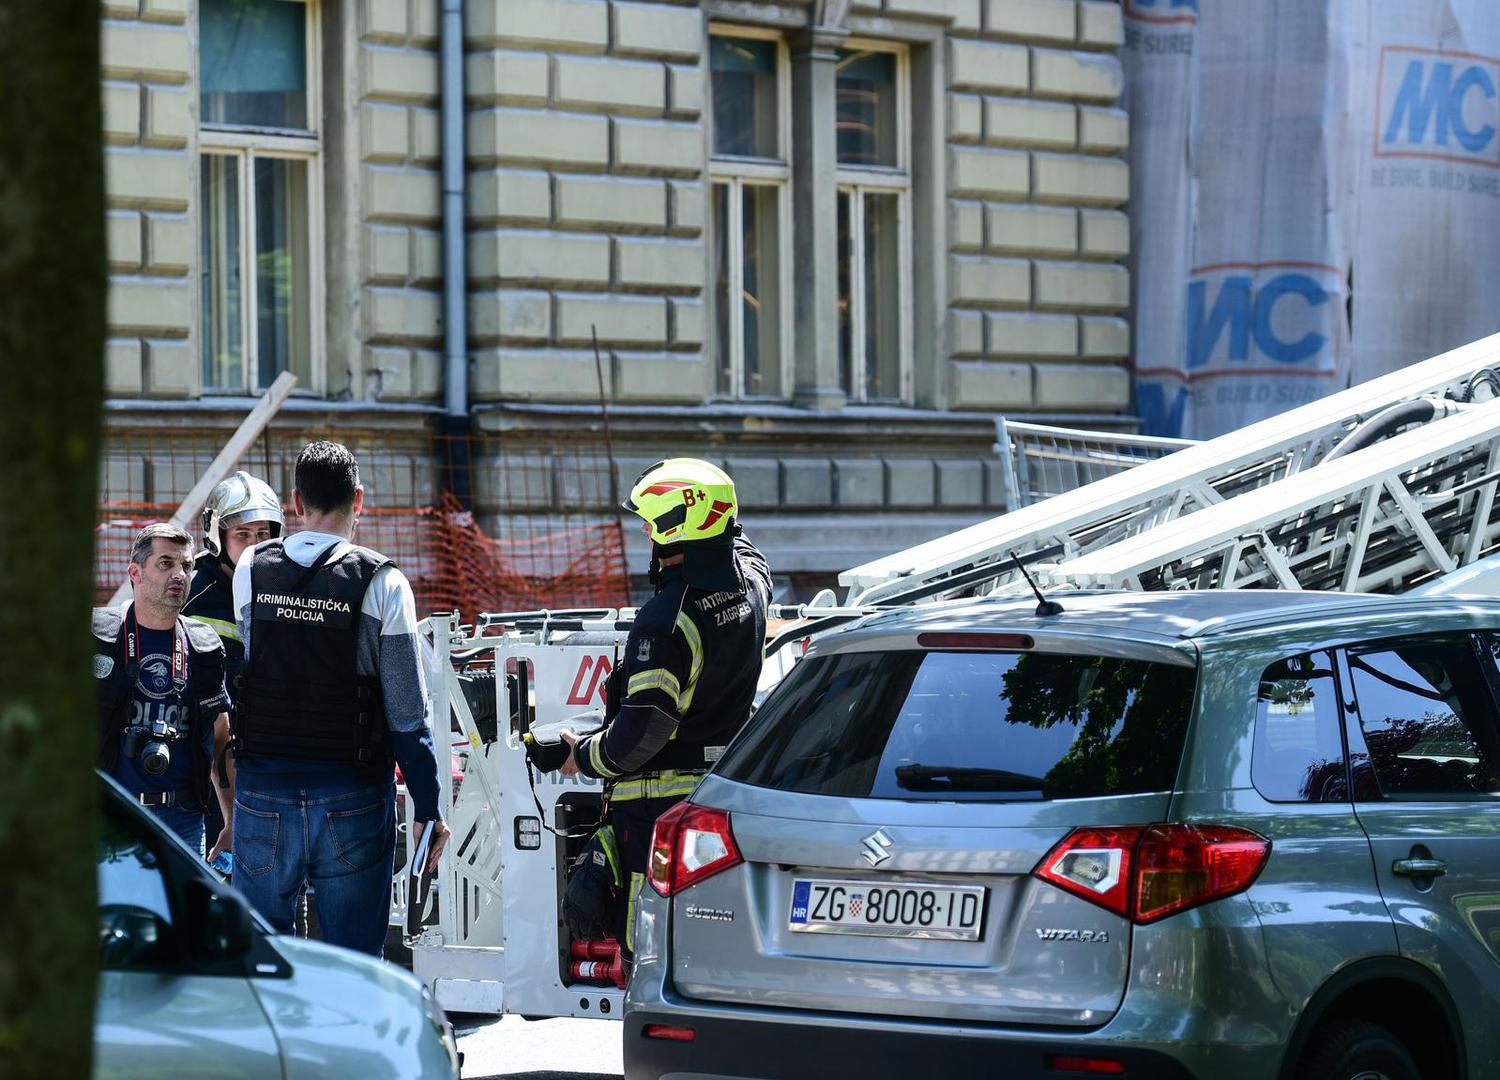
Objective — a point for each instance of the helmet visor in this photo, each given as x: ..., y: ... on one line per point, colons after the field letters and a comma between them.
x: 630, y: 503
x: 253, y: 514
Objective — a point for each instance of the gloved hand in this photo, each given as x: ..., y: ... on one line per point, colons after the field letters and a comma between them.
x: 548, y: 756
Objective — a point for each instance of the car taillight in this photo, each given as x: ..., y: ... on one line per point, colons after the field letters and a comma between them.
x: 1181, y: 866
x: 1088, y: 1066
x: 690, y: 843
x: 668, y: 1031
x: 1147, y: 872
x: 1094, y: 864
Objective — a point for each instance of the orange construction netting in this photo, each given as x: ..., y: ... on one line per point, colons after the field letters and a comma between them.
x: 515, y: 550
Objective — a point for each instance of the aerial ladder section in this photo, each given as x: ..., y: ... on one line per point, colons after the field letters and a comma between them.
x: 977, y: 560
x: 1382, y: 519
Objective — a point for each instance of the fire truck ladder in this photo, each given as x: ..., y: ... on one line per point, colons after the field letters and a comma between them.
x: 976, y: 560
x: 1381, y: 519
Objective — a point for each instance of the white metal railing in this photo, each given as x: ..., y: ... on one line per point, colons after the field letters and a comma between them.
x: 1038, y: 461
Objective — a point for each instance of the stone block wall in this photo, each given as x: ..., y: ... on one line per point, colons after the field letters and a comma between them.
x: 586, y: 204
x: 150, y: 114
x: 1037, y: 232
x: 389, y: 346
x: 400, y: 151
x: 587, y: 198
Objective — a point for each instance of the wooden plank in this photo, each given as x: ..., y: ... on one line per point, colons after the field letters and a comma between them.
x: 249, y: 430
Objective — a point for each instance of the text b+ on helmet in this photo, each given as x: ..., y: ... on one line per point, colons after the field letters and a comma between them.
x: 238, y: 500
x: 684, y: 500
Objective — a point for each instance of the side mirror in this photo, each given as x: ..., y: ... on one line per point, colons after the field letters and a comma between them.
x: 218, y: 924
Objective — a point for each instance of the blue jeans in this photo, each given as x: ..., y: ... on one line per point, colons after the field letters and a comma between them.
x: 187, y: 824
x: 340, y: 839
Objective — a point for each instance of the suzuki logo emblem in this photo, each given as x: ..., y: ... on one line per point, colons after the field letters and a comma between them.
x: 877, y: 847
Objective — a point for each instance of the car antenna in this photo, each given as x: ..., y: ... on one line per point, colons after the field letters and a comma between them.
x: 1044, y: 607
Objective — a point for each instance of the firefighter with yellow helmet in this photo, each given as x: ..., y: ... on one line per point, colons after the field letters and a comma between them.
x: 690, y: 666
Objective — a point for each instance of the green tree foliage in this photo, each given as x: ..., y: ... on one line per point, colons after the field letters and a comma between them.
x: 52, y: 297
x: 1129, y: 718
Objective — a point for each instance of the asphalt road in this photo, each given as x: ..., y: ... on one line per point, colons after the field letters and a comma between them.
x: 539, y: 1049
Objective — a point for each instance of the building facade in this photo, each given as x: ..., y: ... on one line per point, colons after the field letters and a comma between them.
x: 823, y: 243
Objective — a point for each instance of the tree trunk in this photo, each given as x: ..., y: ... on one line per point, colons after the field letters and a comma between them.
x: 52, y: 297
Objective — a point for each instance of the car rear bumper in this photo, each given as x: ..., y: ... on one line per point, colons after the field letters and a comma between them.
x: 1200, y: 1006
x: 738, y: 1048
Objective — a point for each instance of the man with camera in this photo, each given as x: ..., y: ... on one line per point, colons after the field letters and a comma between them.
x: 162, y: 705
x: 332, y: 697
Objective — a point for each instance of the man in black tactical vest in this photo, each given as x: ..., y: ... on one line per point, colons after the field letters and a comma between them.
x: 162, y: 707
x: 691, y: 662
x: 241, y: 511
x: 333, y: 695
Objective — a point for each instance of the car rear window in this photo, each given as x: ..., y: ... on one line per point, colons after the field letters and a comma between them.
x: 968, y: 726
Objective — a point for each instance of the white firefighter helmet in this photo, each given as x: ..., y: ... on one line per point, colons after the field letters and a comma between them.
x: 234, y: 501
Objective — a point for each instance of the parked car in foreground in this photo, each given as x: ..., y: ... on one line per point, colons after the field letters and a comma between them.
x: 1211, y: 835
x: 193, y: 983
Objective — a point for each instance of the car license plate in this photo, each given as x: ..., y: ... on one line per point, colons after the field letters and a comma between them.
x: 907, y: 909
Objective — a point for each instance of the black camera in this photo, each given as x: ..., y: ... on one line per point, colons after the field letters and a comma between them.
x: 148, y: 744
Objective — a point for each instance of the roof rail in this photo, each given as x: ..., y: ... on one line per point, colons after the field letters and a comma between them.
x: 1353, y: 604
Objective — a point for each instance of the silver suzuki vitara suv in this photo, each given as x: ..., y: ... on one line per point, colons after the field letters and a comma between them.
x: 1218, y: 835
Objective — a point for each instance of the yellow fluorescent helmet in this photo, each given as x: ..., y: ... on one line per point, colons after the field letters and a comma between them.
x: 684, y: 499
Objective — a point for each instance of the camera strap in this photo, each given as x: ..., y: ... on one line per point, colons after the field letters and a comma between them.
x: 179, y: 655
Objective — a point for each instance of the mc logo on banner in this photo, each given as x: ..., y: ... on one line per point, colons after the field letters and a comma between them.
x: 1267, y: 317
x: 1438, y: 105
x: 1260, y: 338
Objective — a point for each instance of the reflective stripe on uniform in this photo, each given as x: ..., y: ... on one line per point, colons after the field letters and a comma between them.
x: 668, y: 784
x: 596, y: 757
x: 634, y: 904
x: 226, y: 630
x: 695, y: 668
x: 607, y: 842
x: 655, y: 679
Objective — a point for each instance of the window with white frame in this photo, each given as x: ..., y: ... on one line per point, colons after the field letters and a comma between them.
x: 750, y: 212
x: 260, y: 187
x: 874, y: 221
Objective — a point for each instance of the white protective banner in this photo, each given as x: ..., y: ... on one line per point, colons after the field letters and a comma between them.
x: 1427, y: 255
x: 1161, y: 63
x: 1298, y: 164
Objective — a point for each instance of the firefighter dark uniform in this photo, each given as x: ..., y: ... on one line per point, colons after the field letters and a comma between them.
x: 202, y: 699
x: 690, y: 669
x: 211, y: 602
x: 239, y: 499
x: 300, y: 696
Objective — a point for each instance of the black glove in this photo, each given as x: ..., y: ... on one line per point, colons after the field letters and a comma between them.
x: 546, y: 756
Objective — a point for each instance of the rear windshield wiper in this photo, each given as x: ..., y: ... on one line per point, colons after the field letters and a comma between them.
x: 964, y: 778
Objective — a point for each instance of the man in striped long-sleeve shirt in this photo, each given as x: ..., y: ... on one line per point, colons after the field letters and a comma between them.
x: 333, y: 694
